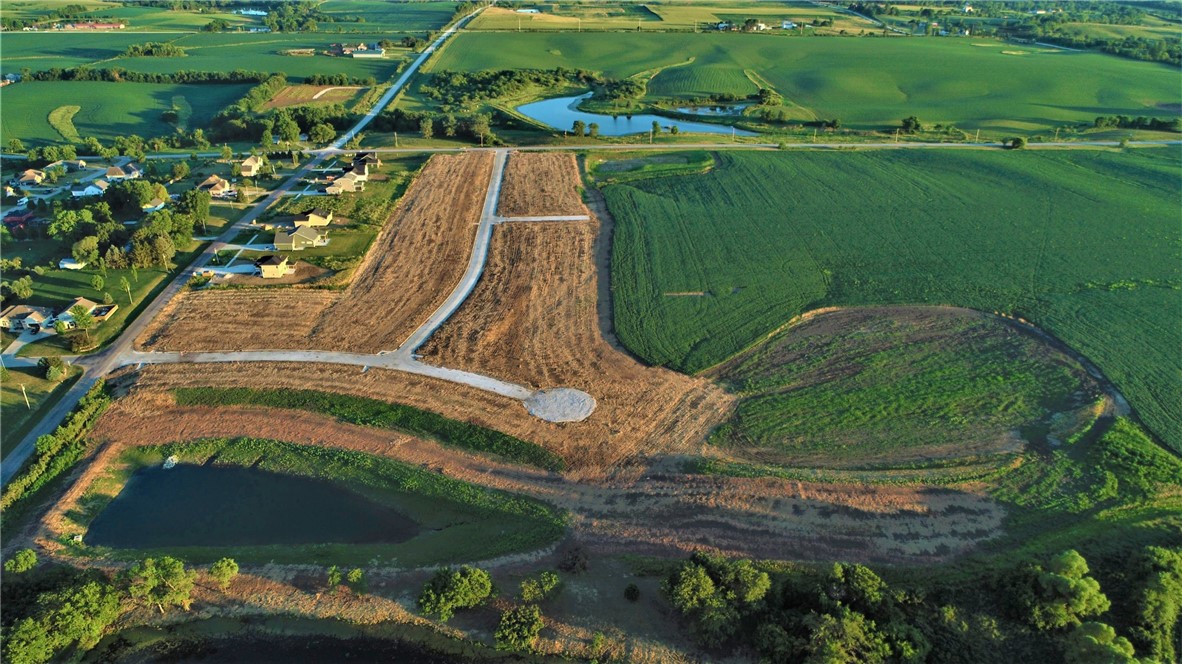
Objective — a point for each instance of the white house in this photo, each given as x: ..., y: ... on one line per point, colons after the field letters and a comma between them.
x: 788, y: 25
x: 96, y: 188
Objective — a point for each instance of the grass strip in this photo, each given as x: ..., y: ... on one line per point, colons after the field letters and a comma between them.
x: 374, y: 413
x: 62, y: 121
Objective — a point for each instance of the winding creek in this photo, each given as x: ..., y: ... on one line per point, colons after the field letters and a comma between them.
x: 562, y: 112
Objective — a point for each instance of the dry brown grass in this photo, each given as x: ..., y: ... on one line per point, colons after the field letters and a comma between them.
x: 412, y: 266
x: 540, y: 183
x: 294, y: 95
x: 212, y: 320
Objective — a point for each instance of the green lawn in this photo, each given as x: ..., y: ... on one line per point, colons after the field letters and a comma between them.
x: 108, y: 109
x: 17, y: 417
x: 1085, y: 244
x: 57, y: 288
x: 868, y: 83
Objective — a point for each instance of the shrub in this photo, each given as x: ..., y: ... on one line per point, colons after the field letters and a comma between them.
x: 540, y: 587
x: 22, y: 561
x: 519, y: 628
x: 224, y: 571
x: 450, y: 590
x: 574, y: 561
x: 632, y: 592
x: 52, y: 368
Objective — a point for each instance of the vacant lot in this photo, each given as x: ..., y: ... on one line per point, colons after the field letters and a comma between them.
x: 893, y: 387
x: 407, y: 273
x: 867, y: 83
x: 541, y: 183
x: 1082, y: 243
x: 636, y: 511
x: 294, y: 95
x: 211, y: 320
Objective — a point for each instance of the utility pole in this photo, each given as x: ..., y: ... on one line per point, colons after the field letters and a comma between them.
x: 1056, y: 134
x: 732, y: 134
x: 650, y: 135
x: 395, y: 139
x: 978, y: 138
x: 896, y: 134
x: 26, y: 395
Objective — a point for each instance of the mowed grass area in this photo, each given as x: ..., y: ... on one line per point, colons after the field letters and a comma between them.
x: 868, y: 83
x: 17, y: 416
x: 1083, y: 243
x: 902, y: 388
x: 459, y: 521
x: 107, y: 109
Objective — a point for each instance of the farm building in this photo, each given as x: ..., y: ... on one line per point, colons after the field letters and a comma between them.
x: 313, y: 217
x: 300, y: 239
x: 215, y: 185
x: 359, y: 50
x: 96, y: 188
x: 24, y: 317
x: 272, y: 267
x: 251, y: 165
x: 788, y: 25
x: 370, y: 159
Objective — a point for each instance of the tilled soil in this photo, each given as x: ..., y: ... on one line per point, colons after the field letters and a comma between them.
x: 540, y: 184
x: 212, y: 320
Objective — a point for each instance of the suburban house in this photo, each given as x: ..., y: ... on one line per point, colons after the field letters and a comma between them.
x: 272, y: 267
x: 252, y: 165
x: 66, y: 317
x: 359, y: 171
x: 215, y: 185
x: 128, y: 172
x: 29, y: 176
x: 300, y: 239
x: 24, y: 317
x: 346, y: 183
x: 370, y: 159
x: 313, y: 217
x: 70, y: 165
x: 153, y: 205
x: 96, y: 188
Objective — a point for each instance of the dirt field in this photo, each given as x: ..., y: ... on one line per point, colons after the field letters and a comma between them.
x: 651, y: 508
x: 541, y: 183
x: 237, y: 320
x: 414, y: 263
x: 293, y: 95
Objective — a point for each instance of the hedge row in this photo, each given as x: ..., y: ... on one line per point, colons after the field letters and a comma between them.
x: 57, y: 451
x: 374, y: 413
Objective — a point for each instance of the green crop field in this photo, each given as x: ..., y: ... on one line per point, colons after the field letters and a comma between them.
x: 40, y: 51
x: 1084, y: 244
x: 868, y: 83
x: 163, y: 19
x: 108, y: 109
x: 387, y: 16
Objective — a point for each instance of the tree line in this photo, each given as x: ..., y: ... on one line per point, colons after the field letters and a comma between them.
x: 118, y: 75
x: 154, y: 50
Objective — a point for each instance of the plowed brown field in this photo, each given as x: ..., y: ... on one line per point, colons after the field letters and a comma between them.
x: 635, y: 510
x: 407, y: 273
x: 539, y: 184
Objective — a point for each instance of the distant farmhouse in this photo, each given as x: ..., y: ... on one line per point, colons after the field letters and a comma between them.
x: 359, y: 50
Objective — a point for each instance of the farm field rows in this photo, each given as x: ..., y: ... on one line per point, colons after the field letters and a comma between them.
x: 867, y: 83
x: 107, y: 110
x: 1082, y: 243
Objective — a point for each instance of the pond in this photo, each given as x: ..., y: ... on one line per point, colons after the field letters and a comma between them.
x: 191, y: 505
x: 720, y: 110
x: 561, y: 113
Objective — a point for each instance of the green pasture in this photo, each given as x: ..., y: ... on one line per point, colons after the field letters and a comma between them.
x: 889, y: 389
x: 869, y: 83
x: 163, y: 19
x: 108, y: 109
x: 1083, y: 243
x: 383, y: 15
x: 460, y: 521
x: 19, y: 417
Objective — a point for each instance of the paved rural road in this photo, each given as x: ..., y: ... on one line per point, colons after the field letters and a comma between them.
x: 100, y: 364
